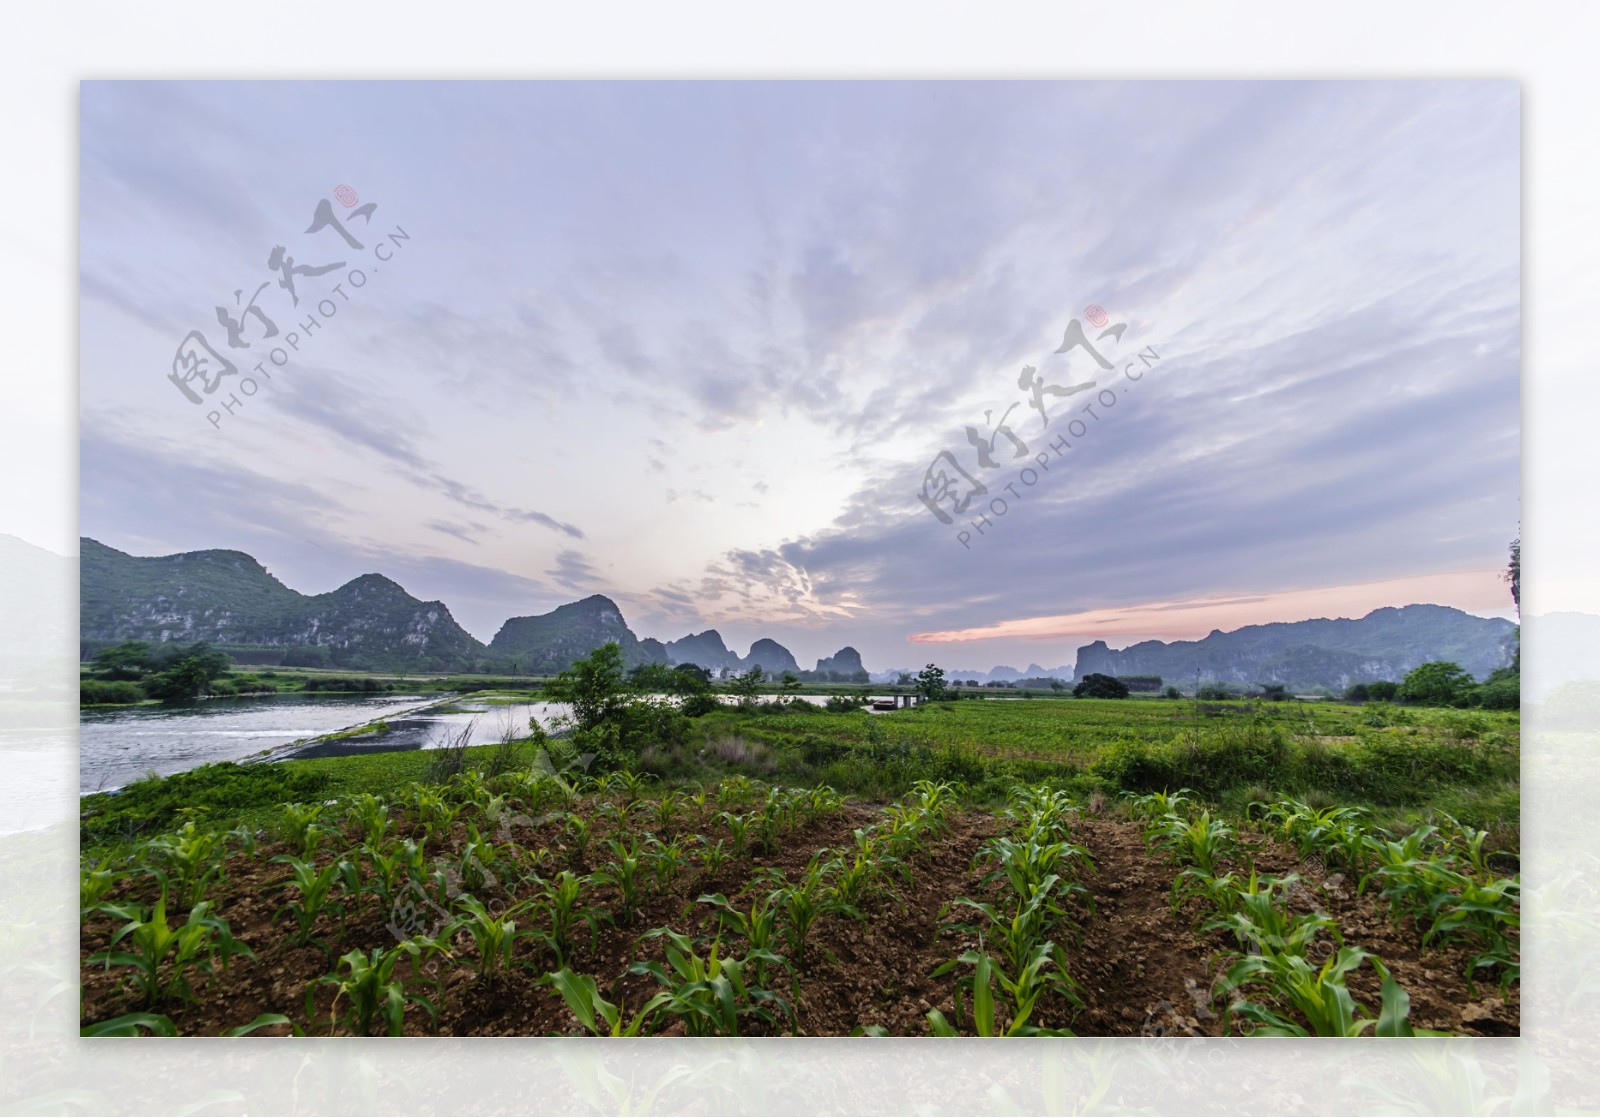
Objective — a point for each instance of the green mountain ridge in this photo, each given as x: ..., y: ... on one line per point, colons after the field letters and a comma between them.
x: 229, y: 599
x: 1318, y: 653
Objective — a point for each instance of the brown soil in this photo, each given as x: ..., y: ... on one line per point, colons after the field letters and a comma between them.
x: 1144, y: 970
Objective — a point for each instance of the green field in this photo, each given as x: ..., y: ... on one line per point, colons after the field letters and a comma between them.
x: 1405, y: 764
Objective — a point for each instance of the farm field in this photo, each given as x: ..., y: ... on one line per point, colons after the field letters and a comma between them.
x: 1334, y: 870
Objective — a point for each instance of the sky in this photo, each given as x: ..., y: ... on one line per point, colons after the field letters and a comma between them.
x: 705, y: 347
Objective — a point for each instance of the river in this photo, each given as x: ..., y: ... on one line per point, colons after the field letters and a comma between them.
x: 117, y: 745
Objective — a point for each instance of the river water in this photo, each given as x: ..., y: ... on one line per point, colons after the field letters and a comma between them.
x: 117, y: 745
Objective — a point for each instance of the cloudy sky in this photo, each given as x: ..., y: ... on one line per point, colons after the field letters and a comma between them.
x: 702, y: 347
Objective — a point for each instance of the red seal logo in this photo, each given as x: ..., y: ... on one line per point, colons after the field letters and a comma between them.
x: 348, y: 196
x: 1094, y: 312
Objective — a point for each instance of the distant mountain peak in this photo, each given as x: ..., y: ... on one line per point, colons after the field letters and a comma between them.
x: 1318, y: 653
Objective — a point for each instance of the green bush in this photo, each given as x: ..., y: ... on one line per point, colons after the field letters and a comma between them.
x: 157, y: 804
x: 97, y: 691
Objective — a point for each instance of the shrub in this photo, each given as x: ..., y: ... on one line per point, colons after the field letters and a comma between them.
x: 96, y: 691
x: 1097, y: 685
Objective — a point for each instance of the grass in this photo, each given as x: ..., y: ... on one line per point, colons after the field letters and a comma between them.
x: 1404, y: 765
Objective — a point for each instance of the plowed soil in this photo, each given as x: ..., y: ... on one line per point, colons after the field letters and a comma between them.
x: 1144, y: 969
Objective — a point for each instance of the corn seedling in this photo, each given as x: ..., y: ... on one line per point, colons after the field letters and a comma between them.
x: 371, y: 816
x: 1260, y: 923
x: 801, y: 903
x: 577, y: 830
x: 94, y: 885
x: 739, y: 829
x: 299, y: 827
x: 314, y: 887
x: 593, y: 1012
x: 560, y: 906
x: 198, y: 944
x: 366, y: 984
x: 495, y: 937
x: 710, y: 994
x: 1318, y: 995
x: 667, y: 859
x: 713, y: 855
x: 631, y: 784
x: 192, y: 859
x: 758, y: 926
x: 624, y: 873
x: 1023, y: 991
x: 1200, y: 840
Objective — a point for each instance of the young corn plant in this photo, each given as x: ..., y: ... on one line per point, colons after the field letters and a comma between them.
x: 1318, y: 995
x: 314, y: 887
x: 392, y: 868
x: 1200, y: 840
x: 710, y: 994
x: 801, y: 903
x: 94, y: 886
x: 1480, y: 913
x: 667, y: 859
x: 432, y: 810
x: 632, y: 785
x: 1470, y: 843
x: 739, y: 829
x: 663, y: 812
x: 768, y: 823
x: 299, y: 827
x: 479, y: 859
x: 625, y: 873
x: 371, y: 816
x: 735, y: 790
x: 713, y: 855
x: 366, y: 985
x: 192, y: 860
x: 1161, y: 805
x: 600, y: 1017
x: 153, y: 945
x: 758, y: 927
x: 936, y: 801
x: 495, y: 937
x: 1023, y: 991
x: 1021, y: 925
x: 1261, y: 924
x: 576, y: 828
x: 561, y: 908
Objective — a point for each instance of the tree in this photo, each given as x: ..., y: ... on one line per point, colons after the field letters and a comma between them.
x: 594, y: 686
x: 1357, y: 693
x: 930, y: 683
x: 1172, y: 693
x: 695, y: 670
x: 1097, y: 685
x: 1383, y: 691
x: 1513, y: 574
x: 746, y: 685
x: 1274, y: 692
x: 128, y: 660
x: 184, y: 682
x: 789, y: 684
x: 1437, y: 683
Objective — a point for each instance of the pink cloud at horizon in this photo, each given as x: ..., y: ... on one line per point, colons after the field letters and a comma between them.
x: 1481, y: 592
